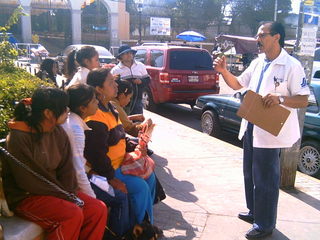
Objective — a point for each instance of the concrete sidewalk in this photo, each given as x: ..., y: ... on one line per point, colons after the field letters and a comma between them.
x: 202, y: 177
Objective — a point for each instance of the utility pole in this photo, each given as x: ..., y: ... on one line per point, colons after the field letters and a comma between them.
x: 275, y: 10
x: 304, y: 52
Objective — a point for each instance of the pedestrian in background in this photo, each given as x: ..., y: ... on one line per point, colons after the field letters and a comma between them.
x: 135, y: 72
x: 87, y: 58
x: 48, y: 71
x: 281, y: 80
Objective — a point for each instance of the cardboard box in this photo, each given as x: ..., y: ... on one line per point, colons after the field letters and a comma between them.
x: 269, y: 119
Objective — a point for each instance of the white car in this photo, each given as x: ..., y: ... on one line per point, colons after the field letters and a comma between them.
x: 104, y: 55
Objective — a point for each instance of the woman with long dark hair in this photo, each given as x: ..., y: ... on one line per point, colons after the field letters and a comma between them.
x: 106, y: 146
x: 48, y: 71
x: 37, y: 139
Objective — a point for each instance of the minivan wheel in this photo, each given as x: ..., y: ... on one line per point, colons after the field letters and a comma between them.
x: 309, y: 158
x: 147, y: 100
x: 210, y: 123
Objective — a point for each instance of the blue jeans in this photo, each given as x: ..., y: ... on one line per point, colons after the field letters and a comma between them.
x: 141, y: 194
x: 118, y: 219
x: 261, y: 169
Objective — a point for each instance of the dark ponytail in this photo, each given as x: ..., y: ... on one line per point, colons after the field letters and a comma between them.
x: 71, y: 66
x: 77, y: 57
x: 124, y: 87
x: 79, y: 95
x: 31, y: 110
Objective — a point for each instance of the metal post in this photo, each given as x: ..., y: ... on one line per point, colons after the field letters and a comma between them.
x: 289, y: 156
x: 140, y: 27
x: 275, y: 10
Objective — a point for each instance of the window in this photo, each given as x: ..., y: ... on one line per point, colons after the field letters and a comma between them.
x: 312, y: 102
x: 141, y: 56
x: 156, y: 58
x: 316, y: 74
x: 190, y: 60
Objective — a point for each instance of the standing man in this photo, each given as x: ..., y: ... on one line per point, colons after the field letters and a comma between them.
x: 280, y: 79
x: 136, y: 73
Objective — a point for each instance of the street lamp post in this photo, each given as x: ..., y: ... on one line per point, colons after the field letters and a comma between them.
x: 139, y: 4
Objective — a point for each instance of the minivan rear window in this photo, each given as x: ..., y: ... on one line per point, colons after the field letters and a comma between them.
x: 190, y: 60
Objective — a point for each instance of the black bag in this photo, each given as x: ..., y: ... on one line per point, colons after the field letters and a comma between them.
x: 160, y: 194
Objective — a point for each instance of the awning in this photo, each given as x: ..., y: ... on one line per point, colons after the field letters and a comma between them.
x: 241, y: 44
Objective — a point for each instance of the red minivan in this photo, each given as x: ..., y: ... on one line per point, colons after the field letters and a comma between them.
x: 179, y: 74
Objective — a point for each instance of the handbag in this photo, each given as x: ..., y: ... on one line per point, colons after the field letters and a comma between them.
x: 71, y: 196
x: 138, y: 163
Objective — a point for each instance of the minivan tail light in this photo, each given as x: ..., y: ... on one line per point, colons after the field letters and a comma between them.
x: 163, y: 77
x: 217, y: 78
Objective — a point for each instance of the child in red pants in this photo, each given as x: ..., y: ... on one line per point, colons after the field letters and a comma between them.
x: 37, y: 140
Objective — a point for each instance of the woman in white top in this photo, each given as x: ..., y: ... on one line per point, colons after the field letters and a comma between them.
x: 82, y: 103
x: 87, y: 58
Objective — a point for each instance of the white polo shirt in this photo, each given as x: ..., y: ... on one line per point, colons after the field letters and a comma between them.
x: 137, y: 70
x: 285, y: 77
x: 80, y: 76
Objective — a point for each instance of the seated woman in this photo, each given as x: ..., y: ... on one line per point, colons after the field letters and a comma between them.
x: 105, y: 148
x: 83, y: 103
x: 37, y: 140
x: 131, y: 124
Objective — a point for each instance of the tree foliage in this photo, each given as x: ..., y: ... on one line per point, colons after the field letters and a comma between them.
x: 7, y: 52
x: 251, y: 12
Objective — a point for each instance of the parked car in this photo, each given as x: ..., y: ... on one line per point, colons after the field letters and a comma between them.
x: 179, y: 74
x: 32, y: 52
x: 316, y: 66
x: 218, y: 113
x: 105, y: 57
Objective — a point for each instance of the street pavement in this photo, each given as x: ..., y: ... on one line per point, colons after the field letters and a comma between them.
x: 202, y: 177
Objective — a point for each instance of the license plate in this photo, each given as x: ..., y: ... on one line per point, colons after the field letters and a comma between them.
x: 193, y: 78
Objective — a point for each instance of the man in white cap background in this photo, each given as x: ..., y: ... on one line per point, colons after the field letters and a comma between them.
x: 135, y: 72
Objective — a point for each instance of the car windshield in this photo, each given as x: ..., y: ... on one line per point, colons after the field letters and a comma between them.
x: 190, y: 60
x: 103, y: 51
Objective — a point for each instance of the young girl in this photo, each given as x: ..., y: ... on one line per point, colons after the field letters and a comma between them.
x: 37, y: 140
x: 125, y: 92
x: 83, y: 103
x: 87, y: 58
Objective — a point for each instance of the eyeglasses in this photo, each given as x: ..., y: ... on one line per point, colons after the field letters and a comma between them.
x: 262, y: 35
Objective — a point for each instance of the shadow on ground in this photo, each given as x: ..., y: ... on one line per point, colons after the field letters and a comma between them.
x: 304, y: 197
x: 173, y: 224
x: 175, y: 188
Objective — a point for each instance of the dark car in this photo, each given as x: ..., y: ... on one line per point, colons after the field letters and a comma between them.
x: 179, y: 74
x: 218, y: 113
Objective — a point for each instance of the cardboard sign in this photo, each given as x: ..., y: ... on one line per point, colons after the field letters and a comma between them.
x: 269, y: 119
